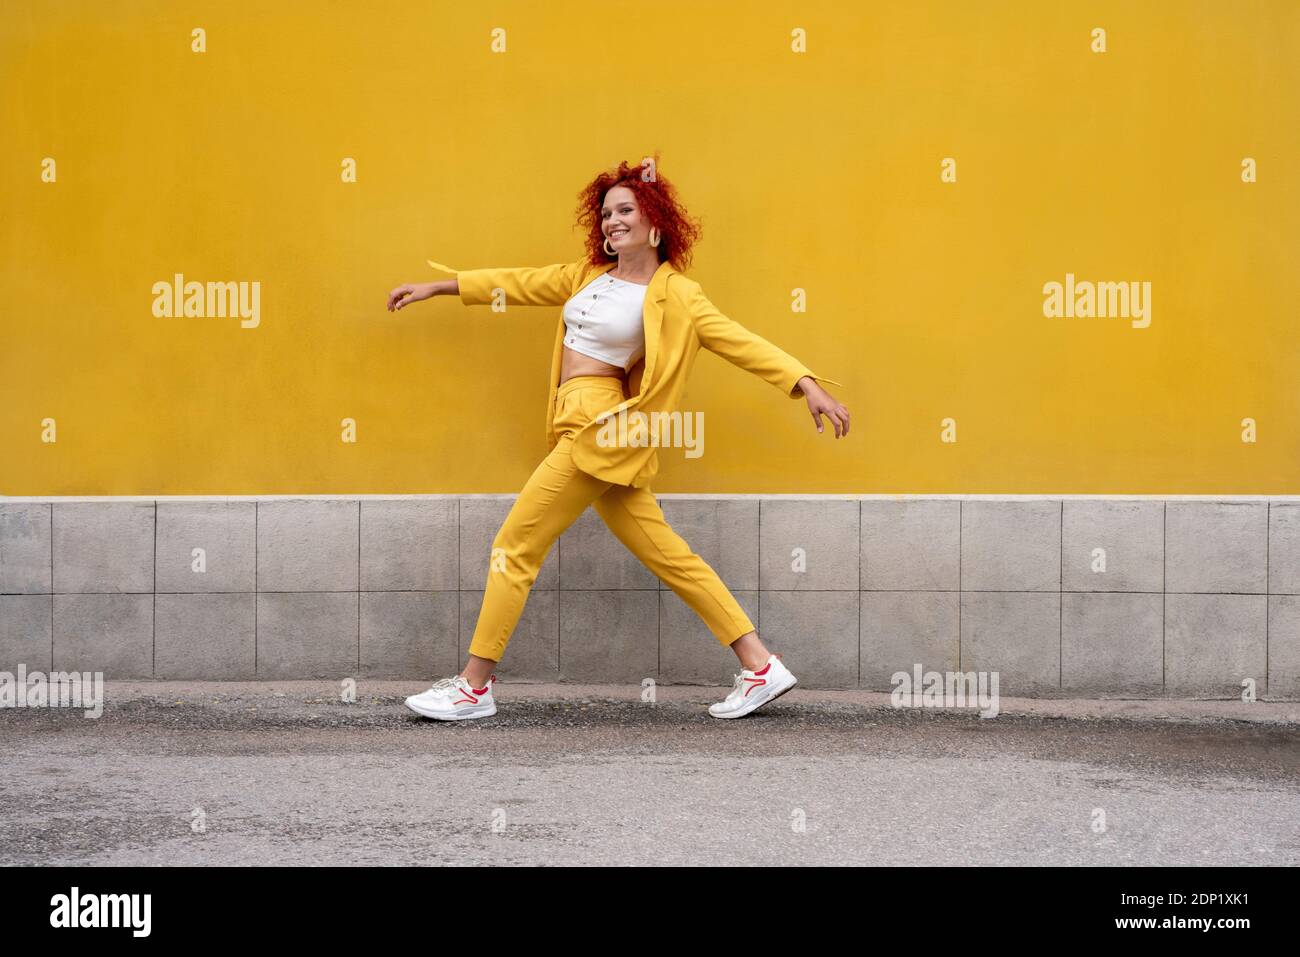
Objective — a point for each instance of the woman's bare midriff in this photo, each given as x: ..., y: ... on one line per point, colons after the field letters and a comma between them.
x: 575, y: 363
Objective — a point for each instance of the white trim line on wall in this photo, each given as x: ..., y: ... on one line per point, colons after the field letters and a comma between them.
x: 830, y: 496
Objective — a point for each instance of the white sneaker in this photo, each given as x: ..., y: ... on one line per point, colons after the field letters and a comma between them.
x: 452, y: 699
x: 753, y: 689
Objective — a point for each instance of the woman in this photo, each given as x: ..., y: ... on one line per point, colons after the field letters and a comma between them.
x: 631, y: 327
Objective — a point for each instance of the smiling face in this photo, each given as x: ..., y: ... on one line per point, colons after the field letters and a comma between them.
x: 621, y: 220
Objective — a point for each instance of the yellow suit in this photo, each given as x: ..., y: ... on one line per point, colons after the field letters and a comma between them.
x: 579, y: 472
x: 679, y: 320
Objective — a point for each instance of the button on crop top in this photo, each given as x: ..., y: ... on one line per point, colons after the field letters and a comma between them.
x: 604, y: 321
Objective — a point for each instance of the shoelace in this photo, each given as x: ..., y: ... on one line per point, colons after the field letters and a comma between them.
x: 444, y: 686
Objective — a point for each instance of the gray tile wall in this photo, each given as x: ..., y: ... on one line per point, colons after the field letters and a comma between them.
x: 1061, y: 597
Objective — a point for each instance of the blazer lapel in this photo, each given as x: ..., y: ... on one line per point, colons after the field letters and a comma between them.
x: 652, y: 316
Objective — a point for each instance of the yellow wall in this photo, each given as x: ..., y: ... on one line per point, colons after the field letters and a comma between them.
x: 818, y: 171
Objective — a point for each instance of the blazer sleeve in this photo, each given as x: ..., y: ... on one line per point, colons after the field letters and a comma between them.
x: 524, y: 286
x: 745, y: 349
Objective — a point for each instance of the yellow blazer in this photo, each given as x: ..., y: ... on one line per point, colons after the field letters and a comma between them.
x: 679, y: 320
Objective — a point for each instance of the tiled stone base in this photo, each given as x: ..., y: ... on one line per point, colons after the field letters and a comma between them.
x: 1077, y: 596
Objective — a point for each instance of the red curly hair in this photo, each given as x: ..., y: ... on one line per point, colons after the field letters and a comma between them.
x: 658, y: 202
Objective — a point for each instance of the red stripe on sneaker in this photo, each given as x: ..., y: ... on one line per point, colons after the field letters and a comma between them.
x: 765, y: 667
x: 466, y: 700
x: 758, y: 681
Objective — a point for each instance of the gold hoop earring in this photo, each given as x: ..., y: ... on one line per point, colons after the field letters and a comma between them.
x: 654, y: 236
x: 605, y: 246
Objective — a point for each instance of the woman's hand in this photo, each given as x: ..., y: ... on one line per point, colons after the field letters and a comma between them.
x: 411, y: 292
x: 822, y: 402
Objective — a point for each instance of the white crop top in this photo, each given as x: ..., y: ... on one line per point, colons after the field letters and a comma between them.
x: 604, y: 321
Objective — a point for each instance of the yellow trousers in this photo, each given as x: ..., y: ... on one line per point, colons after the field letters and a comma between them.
x: 553, y: 498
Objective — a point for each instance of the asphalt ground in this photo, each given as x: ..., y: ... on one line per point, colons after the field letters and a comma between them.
x: 184, y: 773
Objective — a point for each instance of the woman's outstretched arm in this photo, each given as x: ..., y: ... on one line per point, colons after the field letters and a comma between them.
x: 522, y: 286
x: 753, y: 353
x: 508, y: 286
x: 744, y: 349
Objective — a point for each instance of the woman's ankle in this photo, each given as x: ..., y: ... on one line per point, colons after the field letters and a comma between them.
x: 751, y: 652
x: 478, y: 670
